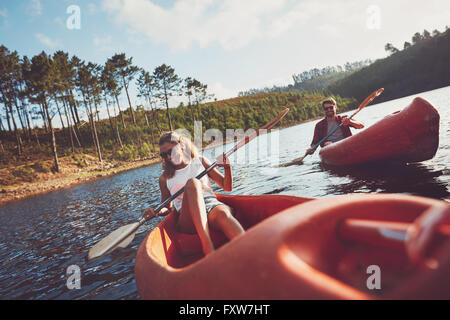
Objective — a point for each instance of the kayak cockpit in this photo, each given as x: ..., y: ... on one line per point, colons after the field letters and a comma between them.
x: 173, y: 249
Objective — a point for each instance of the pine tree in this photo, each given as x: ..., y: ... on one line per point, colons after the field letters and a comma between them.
x: 125, y: 70
x: 168, y: 84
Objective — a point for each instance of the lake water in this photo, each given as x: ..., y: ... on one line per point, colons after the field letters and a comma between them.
x: 42, y: 236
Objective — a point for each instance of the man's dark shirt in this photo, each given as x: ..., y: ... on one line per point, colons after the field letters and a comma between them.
x: 321, y: 129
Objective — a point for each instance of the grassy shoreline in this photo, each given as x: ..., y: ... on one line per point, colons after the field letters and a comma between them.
x: 68, y: 177
x: 72, y: 175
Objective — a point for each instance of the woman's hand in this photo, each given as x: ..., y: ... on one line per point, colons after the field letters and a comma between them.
x: 150, y: 214
x: 223, y: 161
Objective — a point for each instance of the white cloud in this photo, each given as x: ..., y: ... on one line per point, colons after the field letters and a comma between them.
x: 103, y: 43
x: 277, y: 81
x: 92, y: 8
x: 47, y: 41
x: 230, y: 23
x: 34, y: 8
x: 59, y: 22
x: 284, y: 35
x: 233, y: 24
x: 221, y: 92
x: 4, y: 17
x: 286, y: 22
x: 328, y: 29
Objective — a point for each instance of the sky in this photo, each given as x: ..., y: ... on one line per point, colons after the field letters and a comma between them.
x: 230, y: 45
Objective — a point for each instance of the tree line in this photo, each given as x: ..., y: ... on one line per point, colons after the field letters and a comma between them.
x: 66, y: 87
x: 132, y: 132
x: 313, y: 79
x: 415, y: 39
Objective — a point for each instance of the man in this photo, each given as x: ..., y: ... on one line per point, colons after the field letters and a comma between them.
x: 329, y: 123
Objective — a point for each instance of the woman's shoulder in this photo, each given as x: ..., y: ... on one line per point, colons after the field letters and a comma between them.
x: 162, y: 179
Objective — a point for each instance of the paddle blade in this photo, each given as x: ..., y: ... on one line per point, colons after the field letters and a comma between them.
x: 370, y: 98
x: 269, y: 125
x: 296, y: 161
x: 264, y: 128
x: 121, y: 237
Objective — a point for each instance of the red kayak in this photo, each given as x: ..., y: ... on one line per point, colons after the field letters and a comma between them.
x: 410, y: 135
x: 299, y: 248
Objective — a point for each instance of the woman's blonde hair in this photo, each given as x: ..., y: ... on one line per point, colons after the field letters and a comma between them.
x: 175, y: 138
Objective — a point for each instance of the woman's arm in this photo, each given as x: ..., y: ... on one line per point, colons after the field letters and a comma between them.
x: 165, y: 194
x: 224, y: 181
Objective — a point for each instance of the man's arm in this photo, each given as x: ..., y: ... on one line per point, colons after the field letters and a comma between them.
x: 317, y: 136
x: 351, y: 123
x: 355, y: 124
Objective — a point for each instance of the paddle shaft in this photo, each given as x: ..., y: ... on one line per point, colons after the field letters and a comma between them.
x: 238, y: 145
x: 199, y: 176
x: 164, y: 203
x: 324, y: 138
x: 332, y: 131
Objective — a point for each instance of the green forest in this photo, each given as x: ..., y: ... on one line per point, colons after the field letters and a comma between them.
x: 70, y: 92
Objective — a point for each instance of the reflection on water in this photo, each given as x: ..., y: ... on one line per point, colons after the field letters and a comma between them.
x: 416, y: 179
x: 41, y: 236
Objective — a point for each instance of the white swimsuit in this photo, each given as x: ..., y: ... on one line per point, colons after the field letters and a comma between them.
x: 181, y: 176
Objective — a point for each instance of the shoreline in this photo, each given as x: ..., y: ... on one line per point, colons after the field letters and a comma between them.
x: 64, y: 180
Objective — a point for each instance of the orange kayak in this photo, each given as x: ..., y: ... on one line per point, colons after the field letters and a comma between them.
x: 410, y: 135
x: 298, y: 248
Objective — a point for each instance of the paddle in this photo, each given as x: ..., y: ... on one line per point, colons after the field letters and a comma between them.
x: 123, y: 236
x: 362, y: 105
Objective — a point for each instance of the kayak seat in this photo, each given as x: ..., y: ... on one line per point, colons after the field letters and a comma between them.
x: 245, y: 213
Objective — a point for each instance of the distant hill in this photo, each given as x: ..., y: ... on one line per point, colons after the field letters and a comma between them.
x: 320, y: 83
x: 314, y: 79
x: 422, y: 66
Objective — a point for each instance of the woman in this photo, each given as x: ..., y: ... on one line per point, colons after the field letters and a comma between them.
x: 197, y: 208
